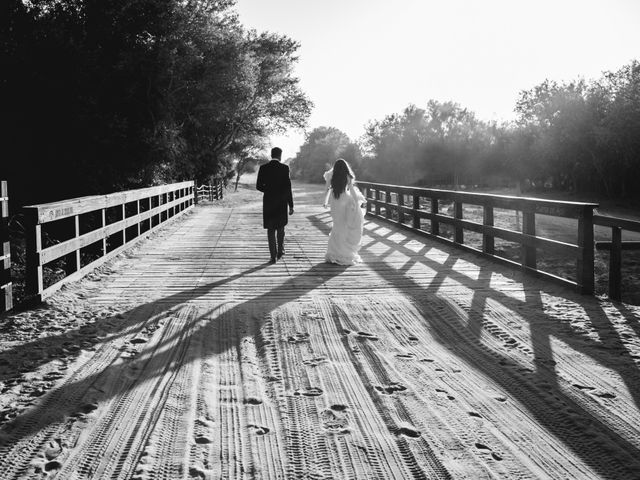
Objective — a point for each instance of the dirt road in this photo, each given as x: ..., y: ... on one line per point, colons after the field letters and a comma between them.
x: 190, y: 357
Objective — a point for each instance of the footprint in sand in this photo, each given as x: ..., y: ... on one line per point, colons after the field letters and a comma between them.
x: 314, y: 362
x: 391, y: 388
x: 258, y: 430
x: 367, y: 335
x: 583, y: 387
x: 413, y: 339
x: 53, y: 449
x: 197, y: 473
x: 406, y: 355
x: 86, y: 409
x: 202, y: 440
x: 253, y: 401
x: 408, y: 432
x: 449, y: 397
x: 309, y: 392
x: 485, y: 449
x: 299, y: 337
x: 474, y: 414
x: 55, y: 375
x: 602, y: 394
x: 52, y: 466
x: 335, y: 422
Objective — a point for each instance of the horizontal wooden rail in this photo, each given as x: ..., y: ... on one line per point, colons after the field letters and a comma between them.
x: 6, y: 295
x: 628, y: 245
x: 210, y: 192
x: 408, y: 206
x: 616, y: 245
x: 152, y: 207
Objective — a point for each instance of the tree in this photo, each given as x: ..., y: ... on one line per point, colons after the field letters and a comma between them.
x: 322, y: 147
x: 112, y: 94
x: 430, y: 146
x: 246, y: 151
x: 584, y: 134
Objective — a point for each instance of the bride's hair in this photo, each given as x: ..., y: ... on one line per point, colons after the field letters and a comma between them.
x: 341, y: 174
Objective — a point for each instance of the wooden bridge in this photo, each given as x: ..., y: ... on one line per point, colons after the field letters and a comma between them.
x: 194, y: 358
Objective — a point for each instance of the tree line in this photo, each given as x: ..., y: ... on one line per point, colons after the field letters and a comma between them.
x: 577, y: 136
x: 104, y: 95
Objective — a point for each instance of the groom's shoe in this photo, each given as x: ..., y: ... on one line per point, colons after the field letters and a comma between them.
x: 280, y: 254
x: 273, y: 260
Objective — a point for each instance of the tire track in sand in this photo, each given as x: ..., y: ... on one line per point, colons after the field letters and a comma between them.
x: 605, y: 452
x: 418, y: 456
x: 237, y: 430
x: 112, y: 447
x: 331, y: 405
x: 61, y: 416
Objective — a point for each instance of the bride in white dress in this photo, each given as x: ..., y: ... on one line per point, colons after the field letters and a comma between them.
x: 345, y: 201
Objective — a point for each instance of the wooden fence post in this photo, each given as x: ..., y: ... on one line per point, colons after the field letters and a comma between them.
x: 387, y: 201
x: 416, y: 207
x: 488, y: 241
x: 104, y: 224
x: 368, y: 195
x: 75, y: 264
x: 615, y: 264
x: 586, y: 275
x: 33, y: 234
x: 458, y: 234
x: 435, y: 225
x: 138, y: 213
x: 6, y: 292
x: 400, y: 198
x: 528, y: 253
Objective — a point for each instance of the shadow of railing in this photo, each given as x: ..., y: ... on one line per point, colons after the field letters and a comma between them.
x: 41, y: 422
x: 559, y: 413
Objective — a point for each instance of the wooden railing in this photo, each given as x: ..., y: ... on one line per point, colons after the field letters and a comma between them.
x: 408, y: 206
x: 102, y: 225
x: 615, y: 246
x: 6, y: 296
x: 210, y: 192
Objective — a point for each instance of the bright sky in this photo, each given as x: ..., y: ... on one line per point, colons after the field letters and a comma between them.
x: 360, y: 60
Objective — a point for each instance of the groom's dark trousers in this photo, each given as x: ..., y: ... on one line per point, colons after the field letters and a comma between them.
x: 275, y: 183
x: 276, y: 241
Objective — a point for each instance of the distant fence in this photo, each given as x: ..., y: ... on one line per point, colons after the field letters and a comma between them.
x: 408, y: 206
x: 615, y: 246
x: 6, y: 296
x: 210, y: 192
x: 98, y: 228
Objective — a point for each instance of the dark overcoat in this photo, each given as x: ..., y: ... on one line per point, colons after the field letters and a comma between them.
x: 275, y: 183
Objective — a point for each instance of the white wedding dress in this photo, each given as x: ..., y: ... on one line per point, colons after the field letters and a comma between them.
x: 348, y: 219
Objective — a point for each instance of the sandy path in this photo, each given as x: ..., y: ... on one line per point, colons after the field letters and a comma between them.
x: 190, y: 357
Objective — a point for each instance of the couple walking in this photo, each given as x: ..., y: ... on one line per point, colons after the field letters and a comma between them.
x: 342, y: 197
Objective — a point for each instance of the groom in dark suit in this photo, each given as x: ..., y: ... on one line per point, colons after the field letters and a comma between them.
x: 275, y: 183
